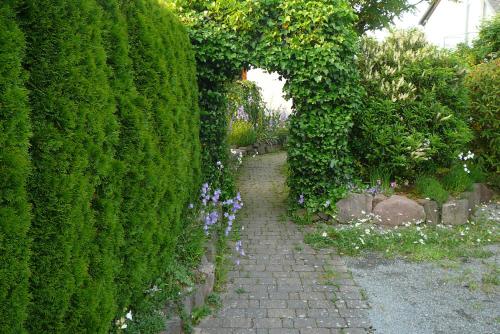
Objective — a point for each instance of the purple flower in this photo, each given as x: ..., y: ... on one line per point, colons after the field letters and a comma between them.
x: 241, y: 114
x: 301, y: 199
x: 394, y: 184
x: 216, y: 196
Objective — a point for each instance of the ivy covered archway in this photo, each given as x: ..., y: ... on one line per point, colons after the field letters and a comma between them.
x: 312, y: 45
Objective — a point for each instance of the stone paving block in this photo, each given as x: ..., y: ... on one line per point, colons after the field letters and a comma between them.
x: 331, y: 322
x: 273, y: 304
x: 281, y: 313
x: 237, y: 322
x: 314, y: 331
x: 268, y: 323
x: 304, y: 323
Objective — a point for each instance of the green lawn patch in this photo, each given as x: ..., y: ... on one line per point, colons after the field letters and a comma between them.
x: 416, y: 242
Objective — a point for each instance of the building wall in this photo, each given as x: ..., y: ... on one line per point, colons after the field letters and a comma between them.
x: 272, y: 89
x: 447, y: 26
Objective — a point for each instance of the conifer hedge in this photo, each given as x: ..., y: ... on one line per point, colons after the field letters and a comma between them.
x: 14, y: 168
x: 112, y: 107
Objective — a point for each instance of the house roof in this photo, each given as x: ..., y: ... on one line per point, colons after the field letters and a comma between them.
x: 495, y: 4
x: 428, y: 13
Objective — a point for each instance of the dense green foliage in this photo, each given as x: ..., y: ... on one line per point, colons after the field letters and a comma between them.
x: 376, y: 14
x: 14, y: 168
x: 74, y: 132
x: 483, y: 82
x: 244, y: 102
x: 115, y: 160
x: 414, y: 118
x: 242, y: 134
x: 430, y: 187
x: 311, y: 44
x: 487, y: 45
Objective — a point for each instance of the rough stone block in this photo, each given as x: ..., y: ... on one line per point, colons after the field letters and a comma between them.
x: 455, y: 212
x: 431, y: 208
x: 354, y: 206
x: 173, y: 326
x: 199, y: 296
x: 377, y: 199
x: 473, y: 199
x: 398, y: 210
x: 211, y: 251
x: 484, y: 192
x: 208, y: 270
x: 188, y: 303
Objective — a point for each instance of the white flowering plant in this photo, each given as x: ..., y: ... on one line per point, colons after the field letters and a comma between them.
x: 414, y: 114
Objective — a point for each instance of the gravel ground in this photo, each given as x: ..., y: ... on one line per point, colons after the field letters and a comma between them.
x: 431, y: 298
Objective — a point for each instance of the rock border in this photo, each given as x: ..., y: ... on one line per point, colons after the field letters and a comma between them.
x: 398, y: 210
x: 193, y: 297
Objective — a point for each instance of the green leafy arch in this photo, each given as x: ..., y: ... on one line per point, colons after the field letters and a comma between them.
x: 309, y: 43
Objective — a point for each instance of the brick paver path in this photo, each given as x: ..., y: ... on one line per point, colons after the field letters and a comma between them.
x: 283, y: 285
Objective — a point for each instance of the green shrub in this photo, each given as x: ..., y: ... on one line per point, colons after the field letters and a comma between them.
x: 115, y: 160
x: 164, y: 75
x: 414, y: 114
x: 487, y: 45
x: 14, y: 168
x: 430, y: 187
x: 483, y: 82
x: 242, y: 133
x: 245, y: 97
x: 72, y: 148
x: 457, y: 180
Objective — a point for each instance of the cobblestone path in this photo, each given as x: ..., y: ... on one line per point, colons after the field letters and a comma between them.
x: 283, y: 285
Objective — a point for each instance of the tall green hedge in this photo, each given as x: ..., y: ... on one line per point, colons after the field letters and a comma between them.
x: 72, y: 148
x: 115, y: 158
x: 14, y: 168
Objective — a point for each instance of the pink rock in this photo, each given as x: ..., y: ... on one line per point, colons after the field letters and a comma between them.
x: 398, y: 210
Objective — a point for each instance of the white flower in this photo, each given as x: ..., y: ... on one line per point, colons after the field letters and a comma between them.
x: 123, y: 326
x: 324, y: 234
x: 129, y: 315
x: 367, y: 231
x: 421, y: 241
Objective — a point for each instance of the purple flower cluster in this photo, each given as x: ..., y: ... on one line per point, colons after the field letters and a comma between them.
x: 233, y: 205
x: 301, y: 199
x: 210, y: 202
x: 241, y: 114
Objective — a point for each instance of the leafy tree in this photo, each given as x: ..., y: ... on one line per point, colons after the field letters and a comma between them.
x: 377, y: 14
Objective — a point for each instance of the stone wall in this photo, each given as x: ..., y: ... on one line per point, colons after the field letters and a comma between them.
x: 399, y: 210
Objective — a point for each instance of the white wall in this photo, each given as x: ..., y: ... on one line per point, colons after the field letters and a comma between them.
x: 272, y: 89
x: 448, y: 25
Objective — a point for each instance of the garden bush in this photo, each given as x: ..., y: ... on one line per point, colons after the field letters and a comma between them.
x: 113, y: 110
x: 414, y: 116
x: 430, y: 187
x: 242, y: 133
x: 483, y: 82
x: 487, y: 46
x: 14, y: 168
x: 244, y: 100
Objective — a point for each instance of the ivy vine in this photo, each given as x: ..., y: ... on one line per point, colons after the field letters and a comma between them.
x: 312, y: 45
